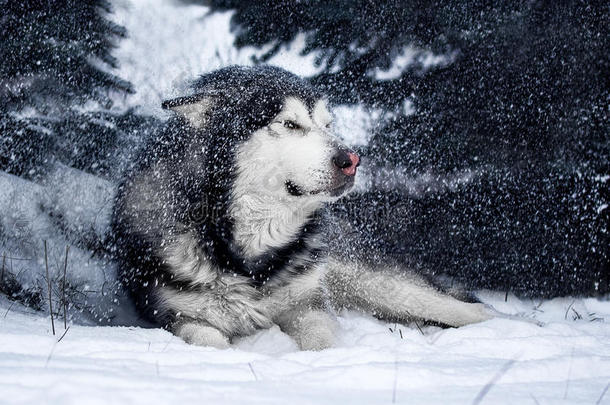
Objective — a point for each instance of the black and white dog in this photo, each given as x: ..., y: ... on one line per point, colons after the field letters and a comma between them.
x: 219, y: 228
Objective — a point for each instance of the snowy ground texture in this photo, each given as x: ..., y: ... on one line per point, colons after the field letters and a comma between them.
x: 499, y: 361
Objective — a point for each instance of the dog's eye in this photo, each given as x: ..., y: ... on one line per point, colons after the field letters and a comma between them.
x: 291, y: 125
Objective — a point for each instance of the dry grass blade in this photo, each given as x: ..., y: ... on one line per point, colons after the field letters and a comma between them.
x: 9, y: 309
x: 63, y: 288
x: 601, y: 397
x: 252, y: 371
x: 3, y: 263
x: 565, y: 394
x: 64, y: 334
x: 46, y: 263
x: 395, y: 385
x: 568, y: 310
x: 493, y: 381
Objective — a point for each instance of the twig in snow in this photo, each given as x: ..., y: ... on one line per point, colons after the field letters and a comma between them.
x: 599, y: 400
x: 535, y: 399
x: 9, y: 308
x: 578, y: 316
x: 50, y: 355
x: 433, y: 340
x: 64, y: 334
x: 418, y: 328
x: 3, y: 263
x: 565, y: 394
x: 395, y: 381
x: 168, y: 342
x: 594, y: 318
x: 493, y: 381
x: 46, y: 263
x: 537, y: 307
x: 63, y: 288
x: 252, y: 371
x: 568, y: 310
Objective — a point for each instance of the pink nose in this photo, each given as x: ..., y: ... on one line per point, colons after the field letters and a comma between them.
x: 347, y: 161
x: 355, y: 162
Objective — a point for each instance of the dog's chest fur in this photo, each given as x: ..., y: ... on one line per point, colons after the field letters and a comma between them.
x: 239, y: 302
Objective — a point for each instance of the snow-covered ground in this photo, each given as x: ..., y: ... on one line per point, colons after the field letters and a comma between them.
x: 499, y: 361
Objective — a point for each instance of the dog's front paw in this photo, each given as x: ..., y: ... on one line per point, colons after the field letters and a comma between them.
x: 201, y: 335
x: 316, y: 331
x: 316, y: 339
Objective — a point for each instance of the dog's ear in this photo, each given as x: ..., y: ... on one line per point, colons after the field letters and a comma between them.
x: 195, y: 109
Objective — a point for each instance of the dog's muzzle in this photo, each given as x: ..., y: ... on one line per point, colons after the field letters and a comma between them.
x: 347, y: 161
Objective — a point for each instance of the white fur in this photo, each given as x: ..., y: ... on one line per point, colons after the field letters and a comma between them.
x: 390, y: 294
x: 265, y: 215
x: 264, y: 222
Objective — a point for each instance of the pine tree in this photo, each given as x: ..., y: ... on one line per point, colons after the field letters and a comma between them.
x: 56, y: 57
x: 518, y: 98
x: 56, y: 91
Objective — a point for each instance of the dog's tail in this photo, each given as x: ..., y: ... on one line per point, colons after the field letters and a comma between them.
x: 396, y: 295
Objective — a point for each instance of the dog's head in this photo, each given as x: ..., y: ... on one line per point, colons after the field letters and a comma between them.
x: 279, y: 128
x: 296, y: 155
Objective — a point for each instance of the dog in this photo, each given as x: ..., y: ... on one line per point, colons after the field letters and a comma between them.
x: 220, y: 225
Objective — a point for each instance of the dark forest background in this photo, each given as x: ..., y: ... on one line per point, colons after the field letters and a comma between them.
x: 520, y: 102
